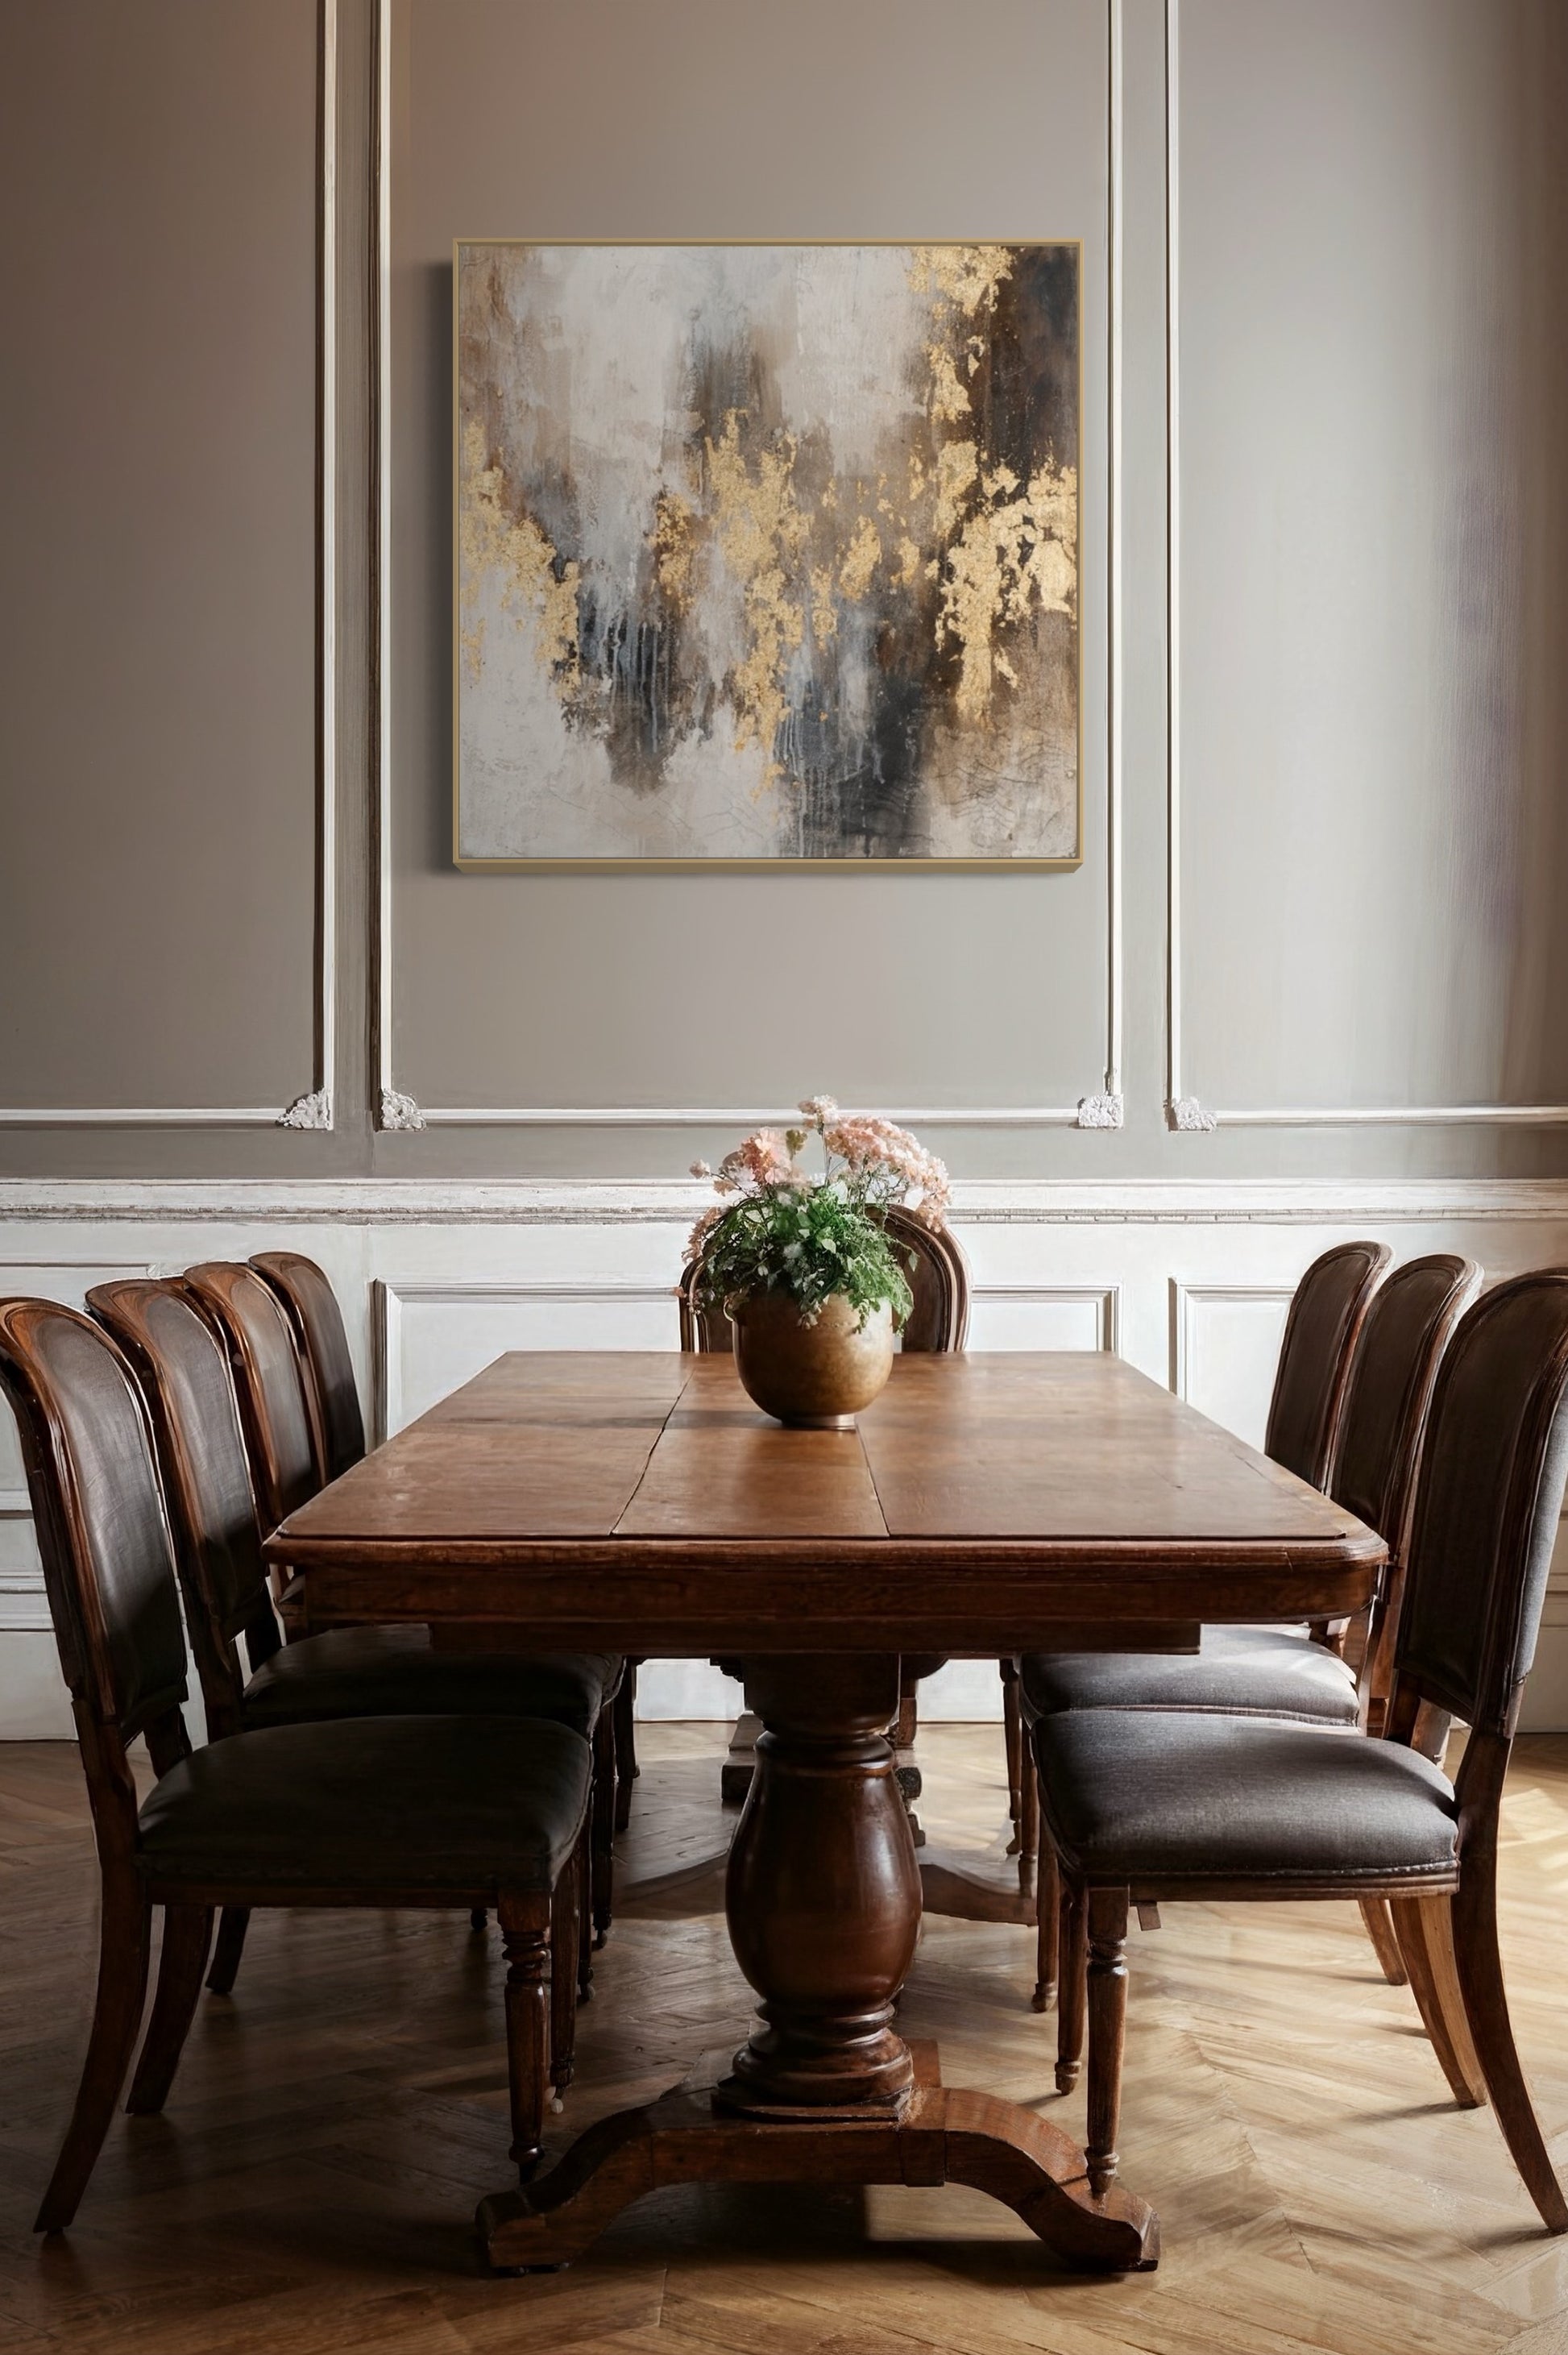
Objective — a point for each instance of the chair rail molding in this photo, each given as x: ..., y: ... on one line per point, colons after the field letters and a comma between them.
x: 1185, y: 1111
x: 381, y: 1202
x: 398, y: 1111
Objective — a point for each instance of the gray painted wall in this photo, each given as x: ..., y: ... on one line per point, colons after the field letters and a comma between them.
x: 1371, y: 576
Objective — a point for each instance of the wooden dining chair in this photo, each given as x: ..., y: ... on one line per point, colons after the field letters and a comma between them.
x: 1322, y: 1370
x: 341, y: 1672
x: 937, y: 1323
x: 321, y: 1339
x: 405, y: 1812
x: 1154, y: 1806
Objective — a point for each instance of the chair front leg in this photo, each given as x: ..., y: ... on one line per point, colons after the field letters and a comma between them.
x: 124, y: 1935
x: 1012, y: 1737
x: 1479, y: 1965
x: 188, y: 1934
x: 1048, y: 1922
x: 526, y: 1942
x: 625, y: 1722
x: 1073, y: 1994
x: 1106, y: 1912
x: 602, y: 1834
x: 566, y: 1928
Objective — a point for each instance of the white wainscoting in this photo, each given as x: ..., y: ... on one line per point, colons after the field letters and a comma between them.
x: 1189, y: 1282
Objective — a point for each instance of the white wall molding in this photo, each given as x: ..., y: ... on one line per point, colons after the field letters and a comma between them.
x: 313, y: 1107
x: 1187, y: 1300
x: 391, y: 1302
x: 1185, y: 1111
x: 458, y: 1201
x: 1103, y: 1301
x: 1188, y: 1281
x: 401, y: 1113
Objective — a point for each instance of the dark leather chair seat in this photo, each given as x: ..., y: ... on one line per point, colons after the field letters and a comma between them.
x: 452, y: 1803
x: 394, y: 1672
x: 1245, y: 1671
x: 1146, y: 1797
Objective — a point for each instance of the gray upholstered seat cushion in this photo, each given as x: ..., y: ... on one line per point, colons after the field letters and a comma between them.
x: 1157, y: 1799
x: 399, y: 1803
x: 394, y: 1672
x: 1251, y: 1672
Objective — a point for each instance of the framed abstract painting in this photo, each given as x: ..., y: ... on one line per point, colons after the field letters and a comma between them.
x: 766, y: 553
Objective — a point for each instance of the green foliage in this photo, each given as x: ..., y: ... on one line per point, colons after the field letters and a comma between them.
x: 808, y: 1241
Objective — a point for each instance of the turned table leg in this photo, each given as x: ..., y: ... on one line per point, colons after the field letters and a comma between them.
x: 823, y: 1893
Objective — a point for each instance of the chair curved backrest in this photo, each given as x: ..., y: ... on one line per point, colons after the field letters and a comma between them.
x: 185, y: 1375
x: 277, y: 1411
x: 1408, y: 1325
x: 1315, y: 1358
x: 1487, y: 1506
x: 938, y: 1278
x: 99, y: 1512
x: 312, y: 1306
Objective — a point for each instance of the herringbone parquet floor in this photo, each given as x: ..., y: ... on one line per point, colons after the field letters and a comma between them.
x: 310, y: 2185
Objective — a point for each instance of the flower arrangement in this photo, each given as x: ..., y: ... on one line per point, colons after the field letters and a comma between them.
x: 813, y: 1237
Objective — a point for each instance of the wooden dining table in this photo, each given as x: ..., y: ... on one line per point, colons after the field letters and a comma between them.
x: 986, y: 1505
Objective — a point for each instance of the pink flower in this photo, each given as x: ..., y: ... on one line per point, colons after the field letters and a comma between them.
x: 762, y: 1160
x: 819, y: 1110
x: 702, y: 1229
x: 701, y: 1169
x: 896, y: 1163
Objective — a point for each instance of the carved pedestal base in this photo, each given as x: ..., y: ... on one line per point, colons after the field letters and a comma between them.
x: 942, y: 2137
x: 823, y: 1896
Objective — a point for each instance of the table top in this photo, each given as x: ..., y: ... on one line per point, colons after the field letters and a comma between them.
x: 986, y: 1503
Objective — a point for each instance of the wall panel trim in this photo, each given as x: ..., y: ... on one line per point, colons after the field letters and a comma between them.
x: 312, y: 1107
x: 398, y: 1112
x: 1184, y: 1111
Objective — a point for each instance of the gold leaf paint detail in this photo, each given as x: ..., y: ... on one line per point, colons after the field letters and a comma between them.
x: 672, y: 541
x: 760, y: 531
x: 523, y: 561
x: 967, y: 275
x: 860, y: 560
x: 1017, y: 550
x: 957, y: 465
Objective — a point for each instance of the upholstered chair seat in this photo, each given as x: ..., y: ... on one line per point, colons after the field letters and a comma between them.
x: 469, y: 1804
x: 1189, y: 1800
x: 395, y: 1672
x: 1247, y: 1671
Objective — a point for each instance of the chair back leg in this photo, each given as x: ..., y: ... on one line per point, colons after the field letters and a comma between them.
x: 188, y: 1934
x: 123, y: 1940
x: 233, y: 1922
x: 1379, y: 1926
x: 1425, y: 1930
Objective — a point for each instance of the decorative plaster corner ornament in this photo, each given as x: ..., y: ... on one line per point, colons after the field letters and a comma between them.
x: 398, y: 1110
x: 1189, y: 1114
x: 312, y: 1111
x: 1100, y: 1112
